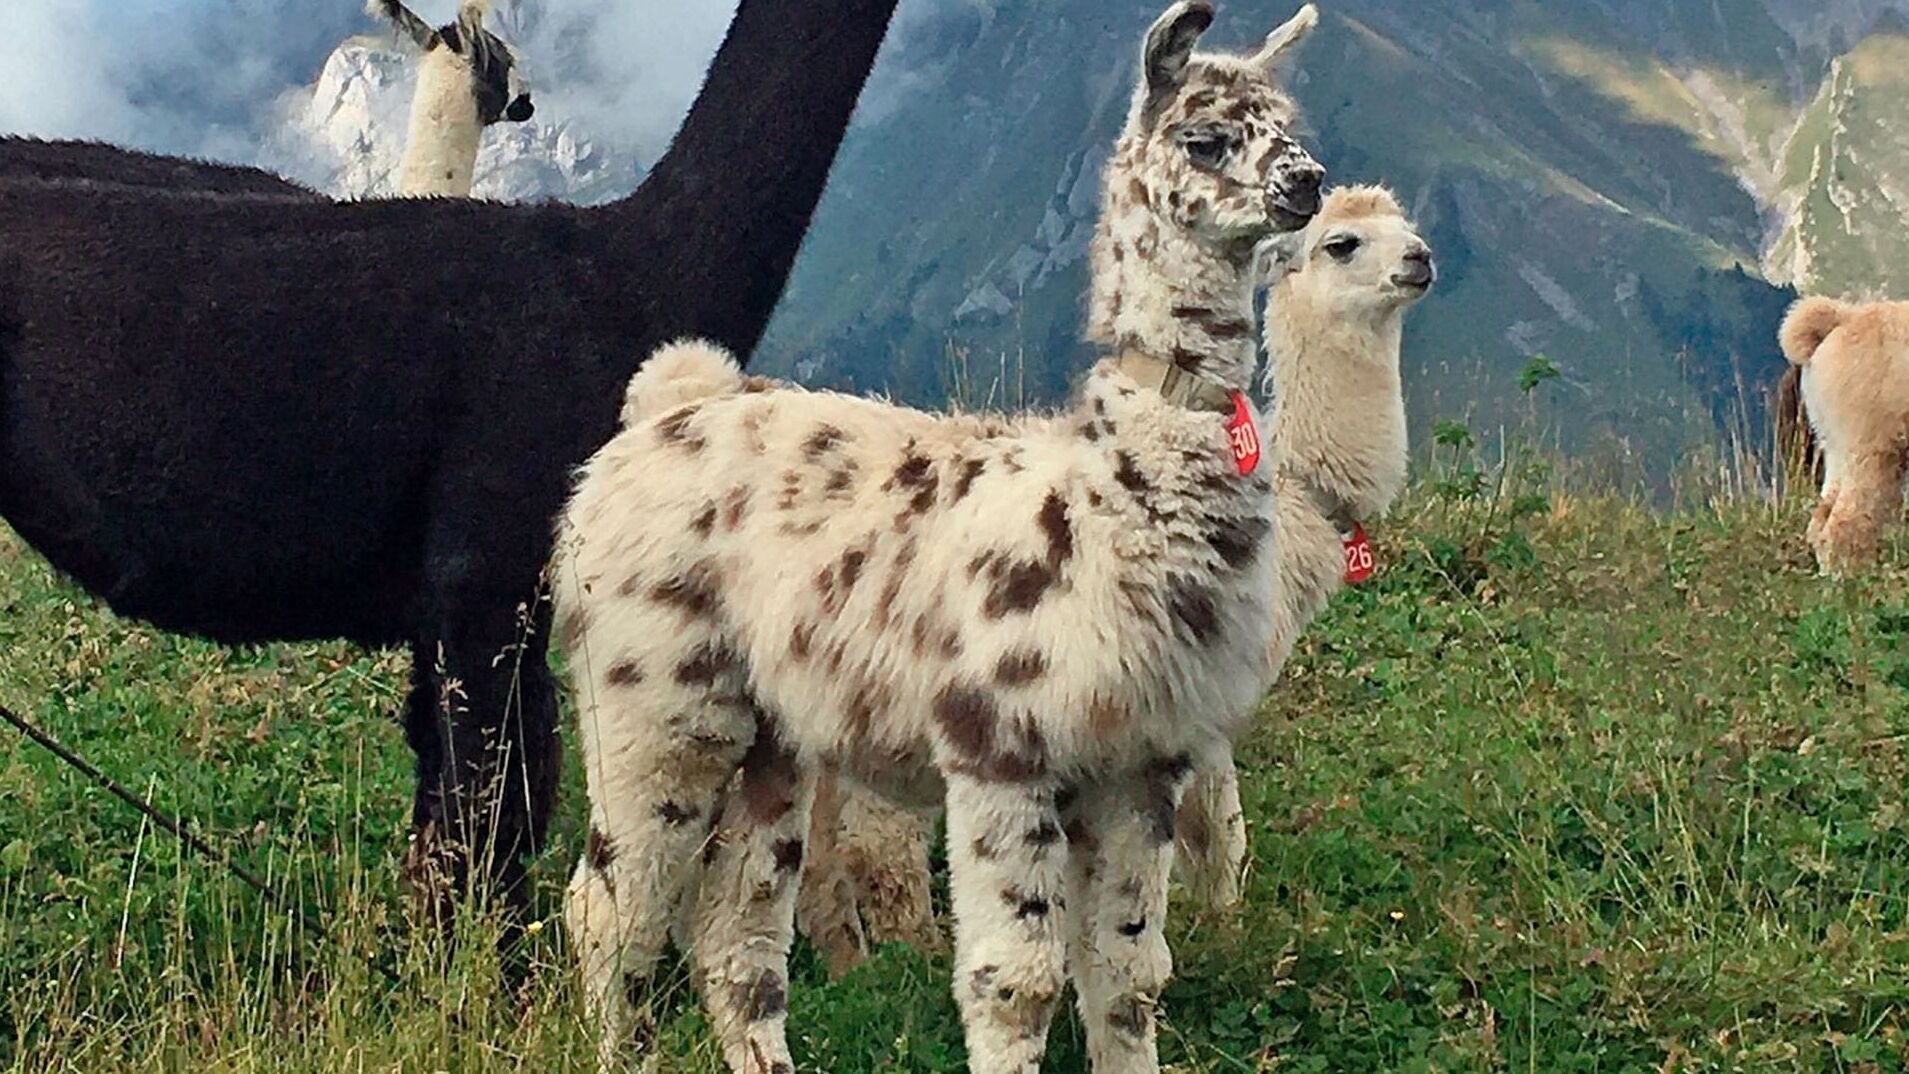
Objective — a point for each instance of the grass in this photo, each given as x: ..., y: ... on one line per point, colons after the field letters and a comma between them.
x: 1573, y: 786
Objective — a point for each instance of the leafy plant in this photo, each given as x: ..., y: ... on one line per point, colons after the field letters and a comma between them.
x: 1537, y: 371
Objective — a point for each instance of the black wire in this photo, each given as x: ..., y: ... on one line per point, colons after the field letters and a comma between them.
x: 185, y: 835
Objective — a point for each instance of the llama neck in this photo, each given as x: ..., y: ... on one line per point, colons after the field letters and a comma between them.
x: 1159, y: 293
x: 1338, y: 424
x: 440, y: 151
x: 731, y: 200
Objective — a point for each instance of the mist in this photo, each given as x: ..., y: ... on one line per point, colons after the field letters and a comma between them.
x: 179, y: 76
x: 212, y: 78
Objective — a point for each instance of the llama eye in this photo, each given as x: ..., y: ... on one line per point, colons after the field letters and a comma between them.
x: 1207, y: 150
x: 1342, y: 248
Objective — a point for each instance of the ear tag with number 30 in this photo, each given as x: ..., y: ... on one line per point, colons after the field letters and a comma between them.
x: 1242, y: 433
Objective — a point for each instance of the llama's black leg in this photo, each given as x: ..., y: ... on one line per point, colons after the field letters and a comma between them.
x: 483, y: 721
x: 429, y: 879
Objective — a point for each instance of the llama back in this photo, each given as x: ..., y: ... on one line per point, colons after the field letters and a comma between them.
x: 677, y: 374
x: 1854, y: 371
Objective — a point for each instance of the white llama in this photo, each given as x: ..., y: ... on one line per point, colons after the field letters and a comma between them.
x: 1334, y: 331
x: 1854, y: 368
x: 467, y: 80
x: 1045, y: 620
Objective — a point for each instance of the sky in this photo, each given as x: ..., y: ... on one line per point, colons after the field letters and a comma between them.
x: 193, y: 76
x: 205, y: 77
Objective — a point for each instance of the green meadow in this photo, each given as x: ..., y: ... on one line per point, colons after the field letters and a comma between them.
x: 1578, y: 784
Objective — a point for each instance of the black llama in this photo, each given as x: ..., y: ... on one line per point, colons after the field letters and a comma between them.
x: 269, y: 418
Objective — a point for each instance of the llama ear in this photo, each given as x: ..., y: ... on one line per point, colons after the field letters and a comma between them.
x: 1283, y: 42
x: 406, y: 21
x: 470, y: 18
x: 1170, y: 44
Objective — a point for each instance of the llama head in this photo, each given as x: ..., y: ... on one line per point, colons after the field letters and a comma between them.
x: 496, y: 83
x: 1209, y: 148
x: 1360, y: 258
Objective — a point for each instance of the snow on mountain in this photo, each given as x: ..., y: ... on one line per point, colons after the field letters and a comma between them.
x: 346, y: 135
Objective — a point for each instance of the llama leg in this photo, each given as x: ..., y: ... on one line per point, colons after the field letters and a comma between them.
x: 1210, y: 836
x: 1833, y: 464
x: 826, y: 906
x: 483, y: 797
x: 543, y: 744
x: 1868, y: 500
x: 1008, y: 863
x: 744, y: 918
x: 663, y: 730
x: 594, y: 920
x: 428, y: 867
x: 1118, y: 948
x: 1819, y: 525
x: 887, y: 849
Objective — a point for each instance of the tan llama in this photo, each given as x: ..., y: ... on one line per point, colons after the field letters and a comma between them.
x: 1043, y: 622
x: 865, y: 881
x: 1854, y: 362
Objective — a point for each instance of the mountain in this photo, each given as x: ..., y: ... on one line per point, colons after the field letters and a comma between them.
x: 347, y: 134
x: 1845, y: 176
x: 1609, y: 184
x: 1628, y: 187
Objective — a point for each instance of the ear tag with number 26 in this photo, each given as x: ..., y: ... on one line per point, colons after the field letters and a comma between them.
x: 1359, y: 562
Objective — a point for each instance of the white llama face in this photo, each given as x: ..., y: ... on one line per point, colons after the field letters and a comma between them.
x: 496, y: 82
x: 499, y: 88
x: 1219, y: 159
x: 1362, y: 256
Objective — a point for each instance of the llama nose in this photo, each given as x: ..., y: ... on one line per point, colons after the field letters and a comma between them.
x: 520, y: 109
x: 1297, y: 183
x: 1419, y: 271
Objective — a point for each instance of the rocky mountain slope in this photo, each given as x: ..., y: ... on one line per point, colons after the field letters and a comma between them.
x: 1624, y: 186
x: 1607, y: 184
x: 347, y: 136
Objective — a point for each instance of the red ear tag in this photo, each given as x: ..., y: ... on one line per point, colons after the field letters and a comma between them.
x: 1243, y: 435
x: 1359, y: 562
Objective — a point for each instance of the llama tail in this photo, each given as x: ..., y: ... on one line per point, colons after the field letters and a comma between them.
x: 678, y: 373
x: 1809, y: 323
x: 1795, y: 437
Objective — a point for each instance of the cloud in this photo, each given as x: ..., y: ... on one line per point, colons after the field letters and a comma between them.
x: 624, y: 70
x: 208, y: 77
x: 628, y: 70
x: 187, y: 76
